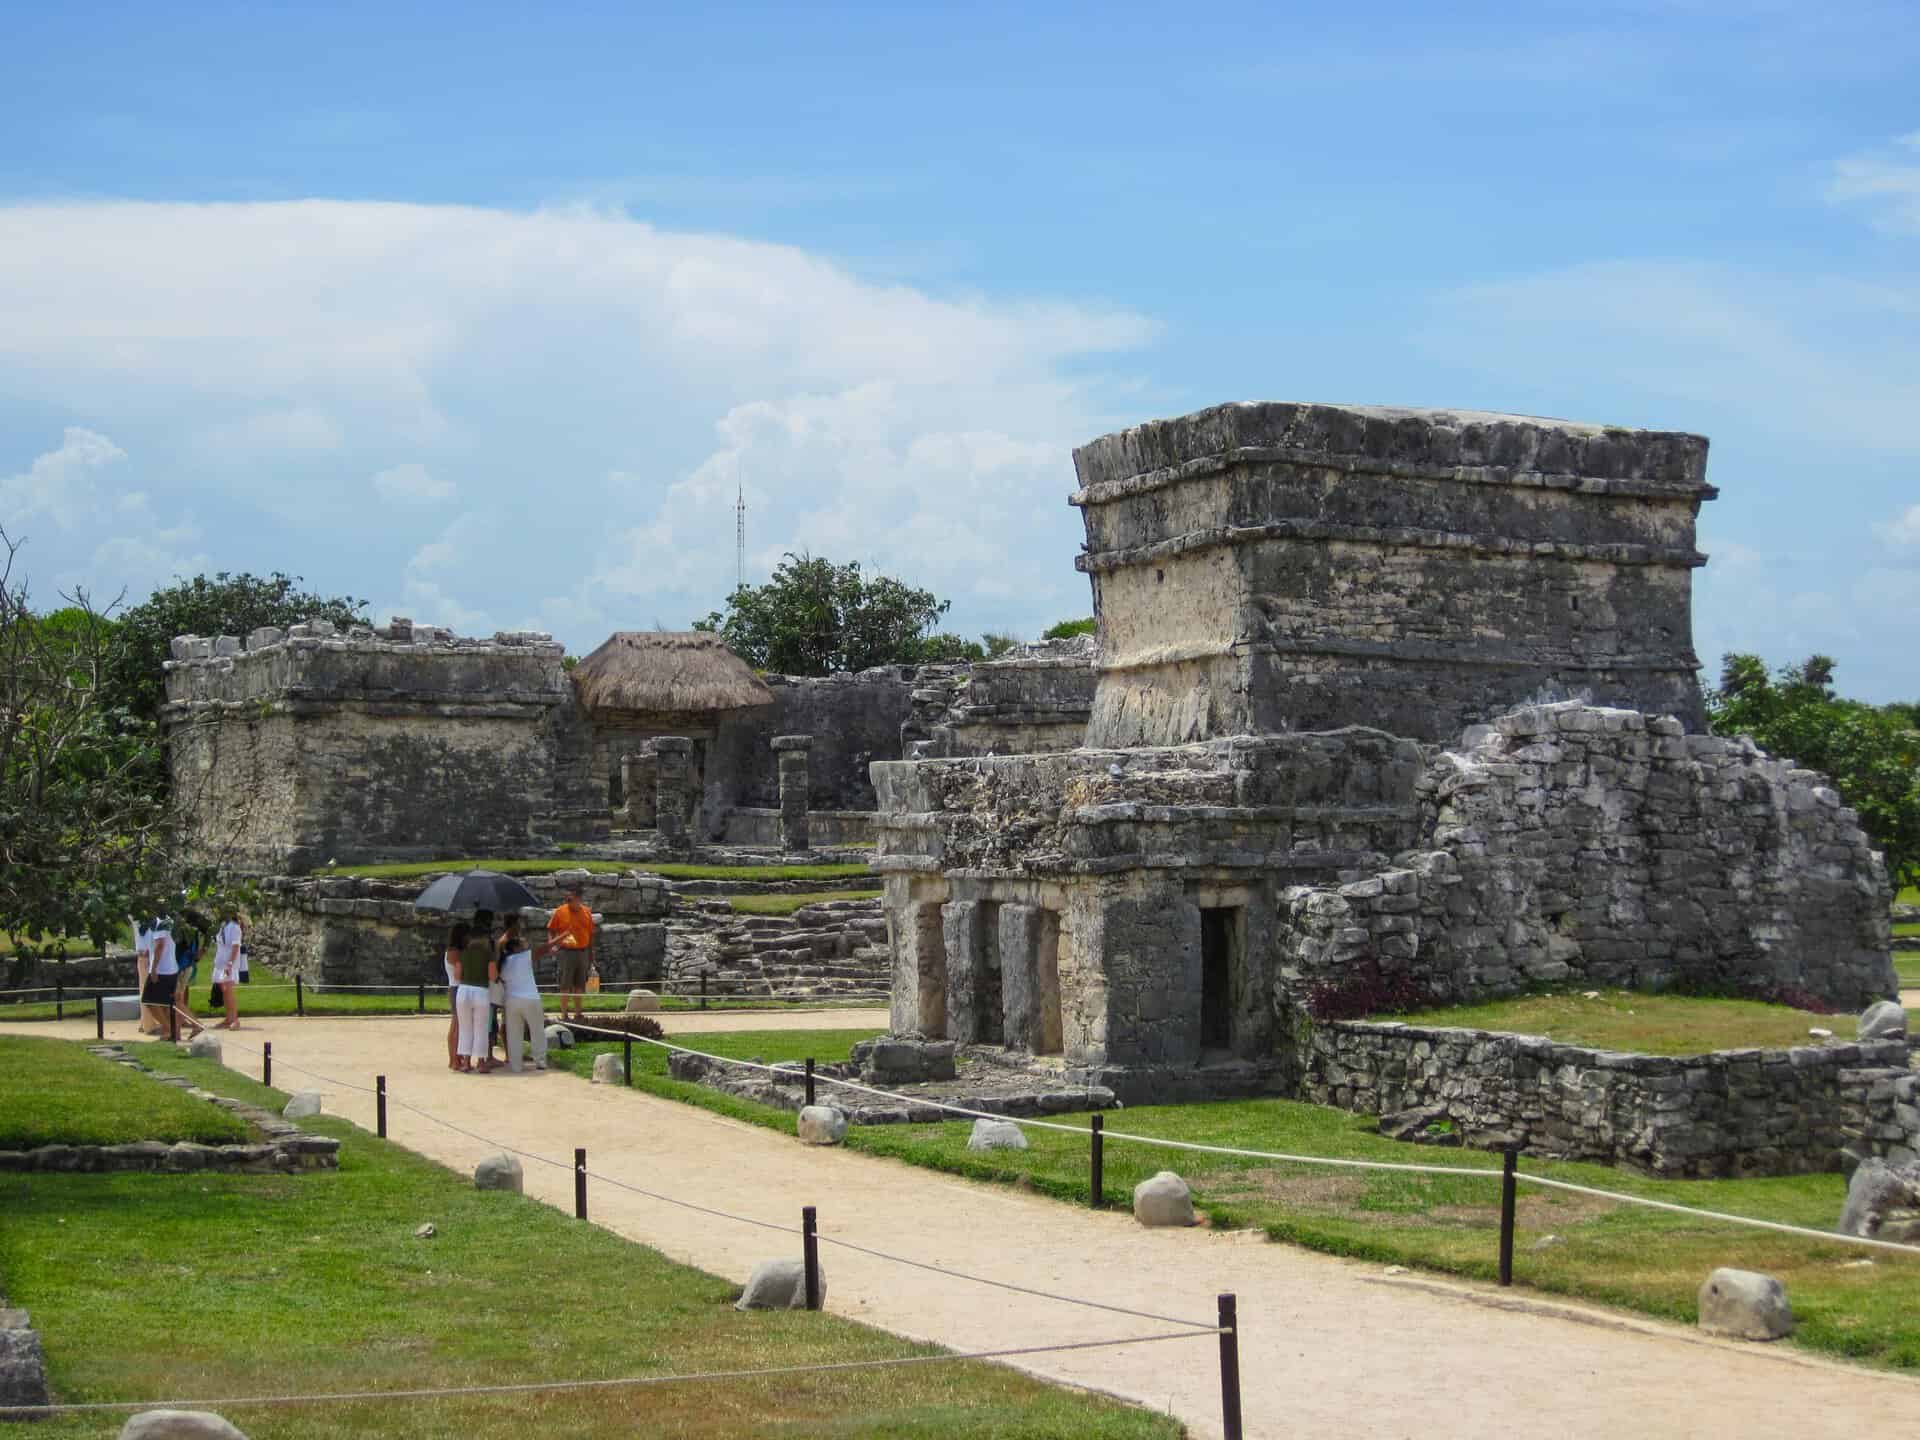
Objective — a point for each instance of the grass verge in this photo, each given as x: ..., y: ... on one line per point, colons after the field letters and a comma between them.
x: 301, y: 1284
x: 1849, y: 1302
x: 1642, y: 1023
x: 53, y: 1093
x: 787, y: 904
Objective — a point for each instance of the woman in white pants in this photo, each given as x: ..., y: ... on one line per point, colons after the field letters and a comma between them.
x: 514, y: 969
x: 470, y: 996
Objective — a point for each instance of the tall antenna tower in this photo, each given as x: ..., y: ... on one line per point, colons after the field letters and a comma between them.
x: 739, y: 533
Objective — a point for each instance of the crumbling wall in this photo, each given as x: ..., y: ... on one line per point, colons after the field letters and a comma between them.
x: 854, y: 720
x: 1576, y: 844
x: 1034, y: 700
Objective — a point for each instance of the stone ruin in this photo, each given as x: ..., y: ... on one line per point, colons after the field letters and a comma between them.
x: 1383, y: 697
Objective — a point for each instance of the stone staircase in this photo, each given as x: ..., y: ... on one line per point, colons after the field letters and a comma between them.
x: 838, y: 947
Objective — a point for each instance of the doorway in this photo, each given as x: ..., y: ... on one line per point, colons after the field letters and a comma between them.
x: 1219, y: 975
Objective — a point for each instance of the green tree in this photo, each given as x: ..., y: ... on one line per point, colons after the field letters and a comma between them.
x: 998, y: 645
x: 1067, y: 629
x: 1871, y: 753
x: 221, y: 605
x: 814, y: 617
x: 86, y: 837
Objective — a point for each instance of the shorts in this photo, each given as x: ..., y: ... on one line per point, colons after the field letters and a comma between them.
x: 574, y: 965
x: 159, y: 990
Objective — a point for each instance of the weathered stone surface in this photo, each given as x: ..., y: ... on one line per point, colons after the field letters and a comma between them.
x: 608, y: 1070
x: 121, y: 1007
x: 903, y: 1060
x: 499, y: 1172
x: 1883, y: 1202
x: 23, y: 1367
x: 204, y: 1047
x: 996, y: 1135
x: 781, y: 1285
x: 180, y: 1425
x: 560, y: 1035
x: 1745, y: 1305
x: 1884, y: 1020
x: 642, y: 1002
x: 1163, y: 1200
x: 821, y: 1125
x: 301, y: 1104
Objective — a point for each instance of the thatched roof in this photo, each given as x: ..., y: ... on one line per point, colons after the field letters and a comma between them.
x: 680, y: 670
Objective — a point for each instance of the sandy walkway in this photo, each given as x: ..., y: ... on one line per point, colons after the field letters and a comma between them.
x: 1327, y: 1346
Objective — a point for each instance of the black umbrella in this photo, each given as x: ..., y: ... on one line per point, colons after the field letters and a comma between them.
x: 476, y: 890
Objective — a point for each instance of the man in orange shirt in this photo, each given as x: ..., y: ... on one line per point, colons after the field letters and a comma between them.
x: 570, y: 931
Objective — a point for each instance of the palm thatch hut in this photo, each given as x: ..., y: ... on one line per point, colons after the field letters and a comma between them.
x: 642, y: 684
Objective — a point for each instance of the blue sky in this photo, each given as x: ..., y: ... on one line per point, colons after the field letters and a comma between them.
x: 480, y: 312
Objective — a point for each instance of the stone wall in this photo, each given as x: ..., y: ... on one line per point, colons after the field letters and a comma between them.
x: 1034, y: 700
x: 1273, y: 567
x: 367, y: 932
x: 1732, y: 1112
x: 854, y: 720
x: 1579, y: 845
x: 292, y: 749
x: 760, y: 828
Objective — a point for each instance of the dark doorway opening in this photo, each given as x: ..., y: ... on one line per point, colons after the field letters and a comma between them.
x: 1219, y: 969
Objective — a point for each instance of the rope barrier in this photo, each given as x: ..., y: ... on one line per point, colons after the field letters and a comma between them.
x: 1471, y: 1172
x: 537, y: 1386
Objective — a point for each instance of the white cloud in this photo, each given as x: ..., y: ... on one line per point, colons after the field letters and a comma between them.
x: 411, y: 484
x: 1903, y: 529
x: 599, y: 387
x: 1886, y: 181
x: 59, y: 485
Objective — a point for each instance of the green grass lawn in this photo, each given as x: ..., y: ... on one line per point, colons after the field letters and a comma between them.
x: 787, y: 904
x: 1908, y: 896
x: 73, y: 947
x: 53, y: 1093
x: 1906, y: 965
x: 1621, y: 1255
x: 168, y: 1286
x: 1646, y: 1024
x: 414, y: 869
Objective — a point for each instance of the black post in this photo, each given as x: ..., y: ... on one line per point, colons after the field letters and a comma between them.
x: 299, y: 996
x: 59, y: 996
x: 380, y: 1106
x: 423, y: 997
x: 703, y: 989
x: 173, y: 1024
x: 1099, y: 1164
x: 626, y: 1044
x: 266, y: 1063
x: 1230, y: 1368
x: 99, y: 1017
x: 579, y: 1184
x: 810, y: 1248
x: 1506, y: 1214
x: 809, y: 1080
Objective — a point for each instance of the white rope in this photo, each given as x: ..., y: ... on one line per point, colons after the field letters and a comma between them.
x: 535, y: 1386
x: 1470, y: 1172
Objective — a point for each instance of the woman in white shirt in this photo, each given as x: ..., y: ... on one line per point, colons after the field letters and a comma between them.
x: 142, y: 963
x: 513, y: 968
x: 163, y: 971
x: 450, y: 957
x: 226, y: 968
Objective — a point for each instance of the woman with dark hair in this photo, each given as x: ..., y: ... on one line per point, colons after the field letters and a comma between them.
x: 470, y: 999
x: 520, y: 996
x: 450, y: 958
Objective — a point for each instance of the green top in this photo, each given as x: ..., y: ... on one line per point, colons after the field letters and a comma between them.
x: 474, y: 960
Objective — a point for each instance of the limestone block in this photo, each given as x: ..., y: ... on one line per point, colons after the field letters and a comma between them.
x: 180, y: 1425
x: 1163, y: 1200
x: 1883, y: 1021
x: 780, y: 1285
x: 1745, y: 1305
x: 302, y: 1104
x: 498, y: 1172
x: 996, y: 1135
x: 204, y: 1047
x: 23, y: 1366
x: 121, y: 1007
x: 1883, y: 1202
x: 821, y: 1125
x: 560, y: 1035
x: 608, y: 1070
x: 642, y: 1002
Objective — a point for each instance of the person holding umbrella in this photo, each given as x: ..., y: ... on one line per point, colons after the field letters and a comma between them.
x: 469, y: 955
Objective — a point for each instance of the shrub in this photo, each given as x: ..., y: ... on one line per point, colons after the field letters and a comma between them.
x: 1367, y: 991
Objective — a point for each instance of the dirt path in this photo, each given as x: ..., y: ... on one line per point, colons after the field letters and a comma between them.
x: 1327, y: 1345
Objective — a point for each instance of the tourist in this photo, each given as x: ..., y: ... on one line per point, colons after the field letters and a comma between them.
x: 226, y: 968
x: 470, y: 999
x: 570, y: 931
x: 456, y: 938
x: 142, y: 962
x: 163, y: 969
x: 513, y: 970
x: 188, y: 936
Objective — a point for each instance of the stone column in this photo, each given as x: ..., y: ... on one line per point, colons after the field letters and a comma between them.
x: 792, y: 752
x: 1019, y: 975
x: 673, y: 774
